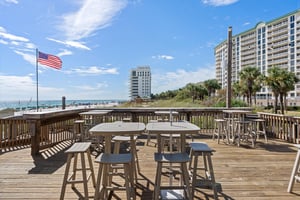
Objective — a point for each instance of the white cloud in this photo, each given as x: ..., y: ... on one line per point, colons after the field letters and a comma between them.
x: 3, y: 42
x: 20, y: 45
x: 64, y: 52
x: 12, y: 1
x: 11, y: 37
x: 29, y: 45
x: 91, y: 16
x: 219, y: 2
x: 31, y: 58
x: 22, y: 88
x: 16, y: 87
x: 76, y: 44
x: 8, y: 2
x: 92, y: 88
x: 93, y: 70
x: 164, y: 57
x: 178, y: 79
x: 246, y: 23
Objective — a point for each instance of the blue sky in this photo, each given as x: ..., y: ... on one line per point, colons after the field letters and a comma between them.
x: 99, y: 41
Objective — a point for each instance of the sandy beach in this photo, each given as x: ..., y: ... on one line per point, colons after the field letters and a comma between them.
x: 6, y: 113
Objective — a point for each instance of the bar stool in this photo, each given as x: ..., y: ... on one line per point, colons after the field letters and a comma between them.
x: 78, y: 130
x: 171, y: 158
x: 208, y: 180
x: 149, y: 135
x: 81, y: 148
x: 220, y: 129
x: 295, y: 175
x: 105, y: 175
x: 125, y: 139
x: 244, y: 132
x: 259, y: 128
x: 170, y: 140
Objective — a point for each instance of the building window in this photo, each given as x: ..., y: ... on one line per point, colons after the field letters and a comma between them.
x: 292, y: 18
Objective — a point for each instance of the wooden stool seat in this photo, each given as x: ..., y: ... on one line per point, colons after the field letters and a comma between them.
x: 208, y: 180
x: 171, y: 158
x: 105, y: 175
x: 82, y: 148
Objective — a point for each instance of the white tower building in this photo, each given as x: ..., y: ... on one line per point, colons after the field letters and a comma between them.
x: 140, y: 82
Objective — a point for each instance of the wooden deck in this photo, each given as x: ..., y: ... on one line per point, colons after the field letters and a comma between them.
x: 243, y: 172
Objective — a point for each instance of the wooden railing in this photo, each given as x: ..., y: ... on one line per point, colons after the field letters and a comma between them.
x: 14, y: 133
x: 43, y: 130
x: 50, y: 128
x: 282, y: 127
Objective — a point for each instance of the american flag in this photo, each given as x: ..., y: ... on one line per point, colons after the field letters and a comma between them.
x: 49, y: 60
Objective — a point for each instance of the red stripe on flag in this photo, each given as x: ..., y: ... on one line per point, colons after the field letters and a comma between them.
x: 49, y: 60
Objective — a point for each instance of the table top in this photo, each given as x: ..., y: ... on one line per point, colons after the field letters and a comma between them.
x: 96, y: 112
x: 182, y: 127
x: 118, y: 128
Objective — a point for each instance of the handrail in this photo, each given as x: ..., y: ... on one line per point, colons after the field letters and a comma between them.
x: 45, y: 129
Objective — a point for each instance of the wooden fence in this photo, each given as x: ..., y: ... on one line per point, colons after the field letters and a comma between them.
x: 43, y: 130
x: 14, y: 133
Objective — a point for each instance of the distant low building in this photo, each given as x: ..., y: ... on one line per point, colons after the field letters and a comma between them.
x: 140, y: 83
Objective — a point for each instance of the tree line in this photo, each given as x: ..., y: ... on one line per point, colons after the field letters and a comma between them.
x: 280, y: 81
x: 195, y: 91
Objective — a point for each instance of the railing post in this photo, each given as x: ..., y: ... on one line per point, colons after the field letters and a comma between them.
x: 188, y: 117
x: 134, y: 117
x: 35, y: 131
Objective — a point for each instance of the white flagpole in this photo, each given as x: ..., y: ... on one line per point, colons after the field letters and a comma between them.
x: 37, y: 81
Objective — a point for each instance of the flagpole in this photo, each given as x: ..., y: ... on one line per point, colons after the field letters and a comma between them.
x: 37, y: 81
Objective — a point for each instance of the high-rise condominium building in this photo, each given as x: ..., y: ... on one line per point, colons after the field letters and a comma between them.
x: 268, y: 44
x: 140, y: 82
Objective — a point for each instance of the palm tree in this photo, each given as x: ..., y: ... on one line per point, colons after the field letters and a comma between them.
x: 201, y: 91
x: 212, y: 85
x: 272, y: 80
x: 281, y: 82
x: 241, y: 90
x: 287, y: 84
x: 250, y: 77
x: 191, y: 87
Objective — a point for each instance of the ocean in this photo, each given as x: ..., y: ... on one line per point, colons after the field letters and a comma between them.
x: 29, y: 105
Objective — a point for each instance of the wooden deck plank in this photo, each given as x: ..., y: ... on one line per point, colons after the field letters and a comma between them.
x: 243, y: 172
